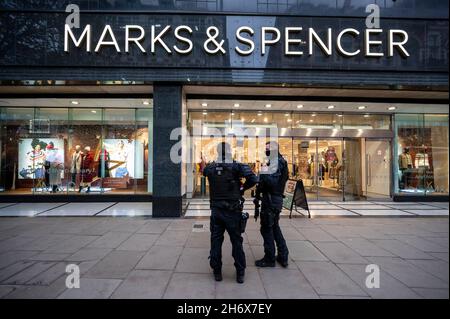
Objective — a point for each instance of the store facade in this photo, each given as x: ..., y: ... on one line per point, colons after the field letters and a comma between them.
x: 90, y: 100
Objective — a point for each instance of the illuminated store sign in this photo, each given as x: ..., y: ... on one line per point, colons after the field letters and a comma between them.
x: 296, y: 41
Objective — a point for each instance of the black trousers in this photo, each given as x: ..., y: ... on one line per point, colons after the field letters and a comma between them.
x: 230, y: 221
x: 271, y: 233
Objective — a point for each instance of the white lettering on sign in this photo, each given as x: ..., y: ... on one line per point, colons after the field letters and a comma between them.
x: 314, y: 37
x: 348, y: 42
x: 246, y: 41
x: 265, y: 41
x: 340, y: 48
x: 136, y: 40
x: 107, y: 31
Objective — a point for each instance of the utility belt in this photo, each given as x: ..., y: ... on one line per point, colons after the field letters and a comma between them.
x: 229, y: 205
x: 234, y: 206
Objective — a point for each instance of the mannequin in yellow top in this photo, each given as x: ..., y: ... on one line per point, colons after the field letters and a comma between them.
x: 405, y: 163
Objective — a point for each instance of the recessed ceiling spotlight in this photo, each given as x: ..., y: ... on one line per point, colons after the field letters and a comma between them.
x: 268, y: 105
x: 314, y: 114
x: 94, y: 111
x: 205, y: 113
x: 366, y: 115
x: 391, y: 108
x: 362, y: 107
x: 259, y: 114
x: 287, y: 114
x: 300, y: 106
x: 311, y: 121
x: 232, y: 113
x: 340, y: 115
x: 146, y: 102
x: 330, y: 107
x: 289, y: 120
x: 75, y: 102
x: 204, y: 104
x: 236, y: 105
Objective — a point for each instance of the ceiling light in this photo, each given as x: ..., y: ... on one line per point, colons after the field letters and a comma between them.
x: 204, y: 104
x: 146, y: 102
x: 232, y: 113
x: 93, y: 111
x: 265, y: 119
x: 205, y: 113
x: 259, y: 114
x: 289, y: 120
x: 236, y: 105
x: 391, y: 108
x: 287, y: 114
x: 313, y: 115
x: 340, y: 115
x: 268, y: 105
x: 300, y: 106
x: 366, y: 115
x: 311, y: 121
x: 362, y: 107
x: 330, y: 107
x: 75, y: 102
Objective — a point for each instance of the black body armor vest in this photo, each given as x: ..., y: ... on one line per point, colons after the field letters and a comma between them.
x: 223, y: 183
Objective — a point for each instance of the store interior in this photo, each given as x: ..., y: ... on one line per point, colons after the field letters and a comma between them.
x: 362, y: 165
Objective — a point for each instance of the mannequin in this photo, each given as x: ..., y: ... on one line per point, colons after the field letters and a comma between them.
x: 322, y: 167
x: 405, y: 164
x: 56, y: 163
x: 332, y: 161
x: 75, y: 166
x: 87, y: 172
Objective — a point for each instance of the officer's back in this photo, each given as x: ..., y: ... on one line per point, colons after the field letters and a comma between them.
x: 226, y: 191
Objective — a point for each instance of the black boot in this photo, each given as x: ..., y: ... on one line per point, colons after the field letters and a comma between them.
x: 264, y: 263
x: 240, y: 275
x: 79, y: 189
x: 218, y: 275
x: 282, y: 261
x: 88, y: 189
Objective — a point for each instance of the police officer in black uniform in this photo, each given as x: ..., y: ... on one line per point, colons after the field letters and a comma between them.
x: 270, y: 191
x: 226, y: 193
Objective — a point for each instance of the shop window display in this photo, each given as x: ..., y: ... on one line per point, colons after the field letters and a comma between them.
x: 75, y: 151
x: 422, y: 154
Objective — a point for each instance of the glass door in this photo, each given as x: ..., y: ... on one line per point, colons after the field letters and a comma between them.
x: 304, y: 165
x: 329, y: 161
x: 353, y: 163
x: 377, y: 169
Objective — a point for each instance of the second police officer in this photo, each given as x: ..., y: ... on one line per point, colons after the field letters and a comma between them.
x: 226, y: 200
x: 270, y: 189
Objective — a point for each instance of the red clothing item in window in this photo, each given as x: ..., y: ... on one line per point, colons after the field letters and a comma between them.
x: 87, y: 167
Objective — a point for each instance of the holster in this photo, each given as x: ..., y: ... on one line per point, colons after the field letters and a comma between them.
x: 244, y: 218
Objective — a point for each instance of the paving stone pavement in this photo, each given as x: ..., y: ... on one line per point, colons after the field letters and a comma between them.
x: 141, y: 257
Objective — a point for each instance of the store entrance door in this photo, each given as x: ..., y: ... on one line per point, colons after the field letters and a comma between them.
x: 353, y: 162
x: 377, y: 169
